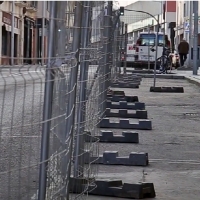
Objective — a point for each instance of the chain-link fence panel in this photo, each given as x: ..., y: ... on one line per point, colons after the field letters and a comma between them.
x: 47, y: 111
x: 89, y: 98
x: 115, y: 42
x: 21, y: 108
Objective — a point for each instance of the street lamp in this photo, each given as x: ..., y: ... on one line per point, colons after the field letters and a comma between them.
x: 156, y: 41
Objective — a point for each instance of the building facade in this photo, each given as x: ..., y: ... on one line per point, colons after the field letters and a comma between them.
x: 5, y: 32
x: 27, y: 31
x: 140, y: 22
x: 183, y: 21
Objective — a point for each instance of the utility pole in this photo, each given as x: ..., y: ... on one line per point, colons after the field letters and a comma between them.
x: 163, y: 4
x: 12, y: 34
x: 195, y: 41
x: 125, y: 48
x: 190, y: 33
x: 121, y: 46
x: 148, y: 48
x: 156, y: 54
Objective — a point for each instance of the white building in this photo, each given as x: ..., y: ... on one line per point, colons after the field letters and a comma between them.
x: 182, y: 21
x: 138, y: 22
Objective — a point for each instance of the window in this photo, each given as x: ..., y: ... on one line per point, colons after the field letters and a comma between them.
x: 34, y: 4
x: 149, y: 39
x: 4, y: 41
x: 16, y: 23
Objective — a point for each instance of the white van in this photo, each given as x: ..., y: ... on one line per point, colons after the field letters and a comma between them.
x: 145, y: 42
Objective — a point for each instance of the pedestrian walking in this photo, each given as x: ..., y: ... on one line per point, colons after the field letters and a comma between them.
x: 183, y: 49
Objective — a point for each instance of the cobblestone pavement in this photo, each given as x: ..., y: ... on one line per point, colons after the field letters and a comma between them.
x: 173, y: 144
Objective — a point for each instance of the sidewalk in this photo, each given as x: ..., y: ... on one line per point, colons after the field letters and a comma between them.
x: 173, y: 144
x: 189, y: 76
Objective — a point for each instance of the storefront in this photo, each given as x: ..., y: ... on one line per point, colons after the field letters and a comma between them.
x: 6, y: 38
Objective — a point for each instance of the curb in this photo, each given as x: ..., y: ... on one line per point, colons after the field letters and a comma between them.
x: 192, y: 80
x: 173, y: 76
x: 163, y: 76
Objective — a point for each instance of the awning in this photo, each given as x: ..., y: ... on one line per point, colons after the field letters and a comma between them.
x: 9, y: 28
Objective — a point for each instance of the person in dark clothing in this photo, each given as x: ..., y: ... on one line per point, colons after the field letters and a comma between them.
x: 167, y: 42
x: 183, y: 49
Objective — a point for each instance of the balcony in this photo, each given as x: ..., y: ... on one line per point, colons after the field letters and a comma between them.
x: 31, y: 8
x: 20, y: 3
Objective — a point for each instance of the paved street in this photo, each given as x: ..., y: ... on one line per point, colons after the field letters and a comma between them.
x: 173, y: 144
x: 21, y: 108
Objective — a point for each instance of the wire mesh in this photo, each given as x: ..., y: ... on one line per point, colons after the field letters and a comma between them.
x: 88, y: 95
x: 21, y: 108
x: 116, y: 40
x: 46, y: 110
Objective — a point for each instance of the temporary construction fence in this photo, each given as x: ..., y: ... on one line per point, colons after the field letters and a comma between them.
x: 46, y: 110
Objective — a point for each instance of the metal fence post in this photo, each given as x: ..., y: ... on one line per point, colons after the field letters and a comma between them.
x: 118, y: 48
x: 190, y: 34
x: 122, y: 39
x: 43, y: 31
x: 12, y: 34
x: 84, y: 64
x: 111, y: 27
x: 195, y: 41
x: 156, y: 54
x: 47, y: 111
x: 121, y: 45
x: 72, y: 89
x: 105, y: 69
x: 115, y: 41
x: 125, y: 47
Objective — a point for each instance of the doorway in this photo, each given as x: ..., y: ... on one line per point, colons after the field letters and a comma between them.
x: 27, y: 43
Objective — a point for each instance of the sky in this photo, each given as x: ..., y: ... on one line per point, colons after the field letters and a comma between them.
x: 125, y: 3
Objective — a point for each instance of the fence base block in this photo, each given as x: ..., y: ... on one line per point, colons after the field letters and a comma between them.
x: 167, y: 89
x: 128, y: 80
x: 108, y: 136
x: 125, y: 105
x: 116, y: 93
x: 142, y: 71
x: 113, y: 188
x: 125, y: 124
x: 125, y: 85
x: 129, y: 76
x: 131, y: 99
x: 123, y: 113
x: 112, y: 158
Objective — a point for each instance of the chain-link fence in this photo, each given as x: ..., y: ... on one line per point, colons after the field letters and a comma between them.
x: 47, y: 110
